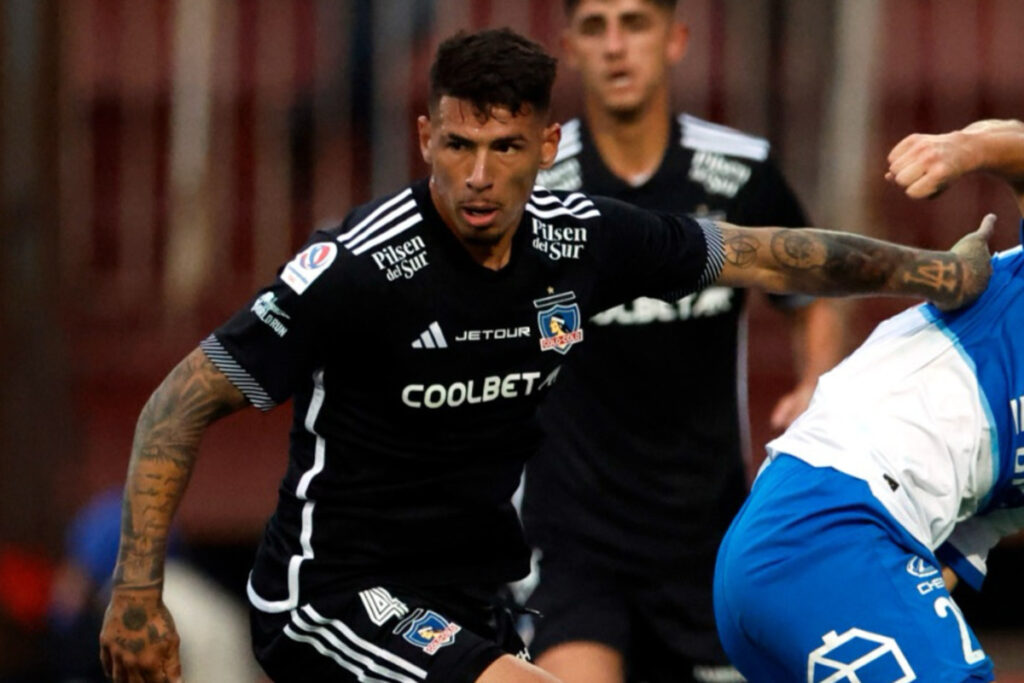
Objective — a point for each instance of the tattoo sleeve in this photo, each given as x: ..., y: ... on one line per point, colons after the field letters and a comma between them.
x: 167, y: 436
x: 829, y: 263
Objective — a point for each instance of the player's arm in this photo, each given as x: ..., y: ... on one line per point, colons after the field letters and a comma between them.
x: 826, y: 263
x: 926, y: 164
x: 138, y: 641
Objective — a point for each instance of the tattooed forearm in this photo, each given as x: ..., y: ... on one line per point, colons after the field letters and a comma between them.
x: 945, y: 275
x: 741, y: 250
x: 164, y: 450
x: 827, y: 263
x: 841, y: 263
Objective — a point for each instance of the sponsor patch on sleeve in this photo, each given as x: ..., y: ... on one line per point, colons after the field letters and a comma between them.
x: 308, y: 265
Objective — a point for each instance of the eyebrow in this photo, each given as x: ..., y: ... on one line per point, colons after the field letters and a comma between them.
x: 455, y: 137
x: 600, y: 18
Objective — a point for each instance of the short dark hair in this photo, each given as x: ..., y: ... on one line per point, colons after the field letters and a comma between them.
x: 571, y: 5
x: 493, y: 68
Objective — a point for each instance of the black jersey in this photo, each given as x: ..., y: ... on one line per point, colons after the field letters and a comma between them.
x: 643, y: 457
x: 416, y: 373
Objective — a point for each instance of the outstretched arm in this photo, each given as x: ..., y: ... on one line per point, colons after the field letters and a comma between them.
x: 138, y: 640
x: 826, y: 263
x: 926, y: 164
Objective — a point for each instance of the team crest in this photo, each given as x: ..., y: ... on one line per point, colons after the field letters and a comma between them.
x: 559, y: 321
x: 430, y: 631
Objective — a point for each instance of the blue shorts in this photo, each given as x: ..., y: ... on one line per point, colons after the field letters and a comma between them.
x: 816, y: 582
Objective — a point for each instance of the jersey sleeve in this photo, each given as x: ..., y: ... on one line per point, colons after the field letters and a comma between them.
x: 277, y: 339
x: 647, y: 253
x: 966, y: 550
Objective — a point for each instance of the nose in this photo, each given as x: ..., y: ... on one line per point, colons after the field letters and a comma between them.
x: 480, y: 177
x: 614, y: 40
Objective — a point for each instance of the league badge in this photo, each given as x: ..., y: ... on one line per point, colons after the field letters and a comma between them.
x: 430, y: 631
x: 559, y: 320
x: 308, y: 265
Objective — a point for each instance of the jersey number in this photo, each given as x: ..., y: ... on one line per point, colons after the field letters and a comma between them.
x: 945, y: 606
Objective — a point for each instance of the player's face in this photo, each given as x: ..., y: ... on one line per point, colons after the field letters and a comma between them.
x: 623, y: 50
x: 483, y: 166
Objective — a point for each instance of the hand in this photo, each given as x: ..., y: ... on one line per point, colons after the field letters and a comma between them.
x: 790, y: 406
x: 977, y: 265
x: 138, y: 642
x: 949, y: 578
x: 926, y: 164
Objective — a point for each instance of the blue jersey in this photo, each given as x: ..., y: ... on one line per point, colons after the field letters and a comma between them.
x: 910, y: 453
x: 988, y: 335
x: 928, y: 412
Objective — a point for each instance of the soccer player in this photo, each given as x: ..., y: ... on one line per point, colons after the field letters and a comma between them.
x: 415, y: 341
x: 642, y: 465
x: 910, y: 455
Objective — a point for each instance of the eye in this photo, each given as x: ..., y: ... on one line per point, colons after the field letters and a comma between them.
x: 455, y: 143
x: 507, y: 147
x: 591, y: 26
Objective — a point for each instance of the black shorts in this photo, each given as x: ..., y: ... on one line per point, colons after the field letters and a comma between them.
x: 664, y: 629
x: 385, y: 633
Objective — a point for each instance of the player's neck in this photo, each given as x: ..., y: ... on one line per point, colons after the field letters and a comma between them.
x: 632, y: 145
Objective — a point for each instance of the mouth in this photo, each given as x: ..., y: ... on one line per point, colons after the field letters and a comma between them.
x: 479, y: 215
x: 620, y: 79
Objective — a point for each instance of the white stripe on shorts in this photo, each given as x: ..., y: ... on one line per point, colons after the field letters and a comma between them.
x: 348, y: 666
x: 343, y: 652
x: 360, y: 643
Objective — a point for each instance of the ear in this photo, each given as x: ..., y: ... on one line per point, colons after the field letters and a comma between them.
x: 549, y: 144
x: 423, y: 129
x: 678, y: 42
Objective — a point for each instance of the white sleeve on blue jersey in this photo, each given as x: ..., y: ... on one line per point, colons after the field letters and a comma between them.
x: 966, y: 550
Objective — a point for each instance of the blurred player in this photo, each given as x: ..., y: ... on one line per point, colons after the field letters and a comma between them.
x: 414, y: 343
x: 642, y: 467
x: 910, y: 454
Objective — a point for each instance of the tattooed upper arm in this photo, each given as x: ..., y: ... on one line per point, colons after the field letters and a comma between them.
x: 191, y: 397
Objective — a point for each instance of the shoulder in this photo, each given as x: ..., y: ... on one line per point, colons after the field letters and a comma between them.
x: 566, y: 173
x: 562, y: 223
x: 378, y: 222
x: 714, y: 138
x: 373, y: 239
x: 563, y: 205
x: 726, y: 161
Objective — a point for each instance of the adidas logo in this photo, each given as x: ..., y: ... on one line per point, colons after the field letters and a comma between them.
x: 432, y: 338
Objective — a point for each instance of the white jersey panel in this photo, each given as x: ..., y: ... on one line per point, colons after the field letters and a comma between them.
x: 906, y: 402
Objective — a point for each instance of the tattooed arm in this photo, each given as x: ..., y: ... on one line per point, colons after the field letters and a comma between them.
x: 827, y: 263
x: 138, y: 641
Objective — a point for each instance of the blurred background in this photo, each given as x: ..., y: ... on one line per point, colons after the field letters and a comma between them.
x: 160, y: 158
